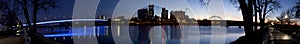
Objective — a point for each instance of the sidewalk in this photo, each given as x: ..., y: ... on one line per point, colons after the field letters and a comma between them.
x: 282, y: 39
x: 297, y: 37
x: 12, y: 40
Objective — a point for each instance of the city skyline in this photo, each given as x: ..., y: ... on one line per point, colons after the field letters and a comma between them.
x: 107, y: 8
x: 150, y: 21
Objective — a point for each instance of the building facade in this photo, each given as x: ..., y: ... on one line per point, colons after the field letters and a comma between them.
x: 179, y: 16
x: 142, y: 14
x: 151, y: 10
x: 164, y: 14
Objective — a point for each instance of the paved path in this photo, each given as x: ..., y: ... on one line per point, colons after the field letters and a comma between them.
x: 280, y: 38
x: 12, y: 40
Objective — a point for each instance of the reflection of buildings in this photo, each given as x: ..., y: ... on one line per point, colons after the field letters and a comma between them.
x: 174, y: 32
x: 141, y: 34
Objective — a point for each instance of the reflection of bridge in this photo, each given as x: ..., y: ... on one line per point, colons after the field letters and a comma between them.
x: 70, y: 21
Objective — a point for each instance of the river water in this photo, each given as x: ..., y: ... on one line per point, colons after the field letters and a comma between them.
x: 164, y: 34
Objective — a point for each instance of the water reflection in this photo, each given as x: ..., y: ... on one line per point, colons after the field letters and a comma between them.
x: 120, y: 34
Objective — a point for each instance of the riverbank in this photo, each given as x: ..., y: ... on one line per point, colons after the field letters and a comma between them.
x: 258, y: 37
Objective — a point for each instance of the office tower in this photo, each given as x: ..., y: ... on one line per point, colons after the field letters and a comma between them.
x: 102, y: 17
x: 164, y: 14
x: 172, y: 17
x: 142, y: 14
x: 151, y: 10
x: 179, y: 15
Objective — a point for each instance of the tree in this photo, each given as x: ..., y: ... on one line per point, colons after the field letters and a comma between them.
x: 246, y: 7
x: 286, y: 15
x: 254, y: 8
x: 42, y: 4
x: 10, y: 19
x: 24, y: 5
x: 204, y: 3
x: 35, y: 6
x: 263, y: 7
x: 297, y: 9
x: 9, y: 12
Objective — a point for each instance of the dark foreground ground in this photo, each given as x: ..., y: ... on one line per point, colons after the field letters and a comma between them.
x: 261, y: 37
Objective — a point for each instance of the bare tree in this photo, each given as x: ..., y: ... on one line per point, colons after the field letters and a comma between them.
x: 41, y: 5
x: 286, y: 15
x: 10, y: 19
x: 297, y: 9
x: 9, y: 12
x: 264, y: 7
x: 258, y: 9
x: 35, y: 6
x: 24, y: 5
x: 246, y: 7
x: 204, y: 3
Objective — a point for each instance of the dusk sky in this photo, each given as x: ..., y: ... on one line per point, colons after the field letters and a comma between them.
x: 127, y: 8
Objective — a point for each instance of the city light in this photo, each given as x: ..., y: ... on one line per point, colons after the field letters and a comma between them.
x: 286, y: 16
x: 149, y: 22
x: 286, y: 37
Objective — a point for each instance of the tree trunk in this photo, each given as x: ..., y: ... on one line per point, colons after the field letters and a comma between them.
x: 262, y: 21
x: 25, y: 11
x: 247, y: 16
x: 34, y: 21
x: 35, y: 10
x: 255, y: 15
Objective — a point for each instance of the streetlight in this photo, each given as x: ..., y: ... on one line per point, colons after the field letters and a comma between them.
x: 286, y: 17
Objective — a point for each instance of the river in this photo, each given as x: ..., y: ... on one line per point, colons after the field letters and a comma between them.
x: 164, y: 34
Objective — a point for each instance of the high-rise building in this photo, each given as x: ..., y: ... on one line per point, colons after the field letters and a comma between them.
x: 179, y: 16
x: 151, y: 10
x: 142, y: 13
x: 164, y: 14
x: 172, y: 17
x: 102, y: 17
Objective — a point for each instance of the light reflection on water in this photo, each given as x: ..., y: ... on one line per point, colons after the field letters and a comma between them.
x: 144, y: 34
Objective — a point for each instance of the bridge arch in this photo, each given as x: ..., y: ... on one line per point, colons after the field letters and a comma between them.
x: 215, y: 18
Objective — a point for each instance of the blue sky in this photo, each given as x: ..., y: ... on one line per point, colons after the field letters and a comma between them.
x: 127, y: 8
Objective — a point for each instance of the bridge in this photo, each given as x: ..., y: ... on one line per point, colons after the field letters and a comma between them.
x: 219, y: 21
x: 225, y: 23
x: 69, y: 21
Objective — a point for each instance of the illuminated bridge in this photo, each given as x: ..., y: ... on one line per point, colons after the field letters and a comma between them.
x: 70, y: 21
